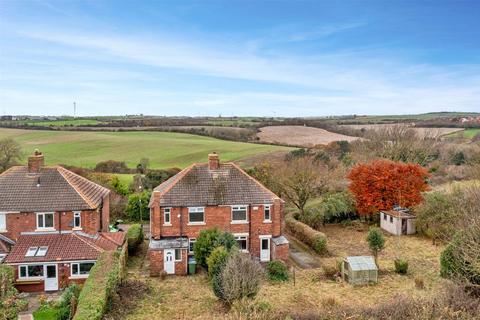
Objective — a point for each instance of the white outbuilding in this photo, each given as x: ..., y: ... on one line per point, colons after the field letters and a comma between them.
x: 398, y: 221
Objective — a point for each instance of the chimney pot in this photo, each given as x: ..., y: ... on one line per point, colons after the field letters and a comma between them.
x: 213, y: 161
x: 35, y: 162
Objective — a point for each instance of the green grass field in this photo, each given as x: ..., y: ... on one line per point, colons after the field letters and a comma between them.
x: 467, y: 133
x: 163, y: 149
x: 63, y: 123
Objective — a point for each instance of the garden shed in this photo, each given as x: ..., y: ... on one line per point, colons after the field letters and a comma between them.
x: 360, y: 270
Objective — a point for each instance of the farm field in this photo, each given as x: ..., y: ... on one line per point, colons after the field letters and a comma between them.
x: 163, y: 149
x: 191, y: 297
x: 300, y: 136
x: 422, y: 131
x: 467, y: 133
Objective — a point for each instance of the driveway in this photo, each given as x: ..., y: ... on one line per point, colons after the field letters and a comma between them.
x: 302, y: 255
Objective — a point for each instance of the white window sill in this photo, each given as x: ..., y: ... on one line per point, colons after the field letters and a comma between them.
x: 30, y: 279
x: 267, y: 221
x: 196, y: 224
x: 3, y: 230
x: 239, y: 222
x: 45, y: 229
x: 167, y: 224
x: 77, y: 228
x: 83, y: 276
x: 244, y: 251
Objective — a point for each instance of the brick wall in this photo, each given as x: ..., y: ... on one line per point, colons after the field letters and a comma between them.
x: 106, y: 214
x: 156, y: 262
x: 280, y: 252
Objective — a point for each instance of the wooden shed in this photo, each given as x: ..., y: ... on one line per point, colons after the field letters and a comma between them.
x: 359, y: 270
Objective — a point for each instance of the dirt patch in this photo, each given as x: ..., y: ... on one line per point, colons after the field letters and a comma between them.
x: 128, y: 294
x: 423, y: 132
x: 300, y: 136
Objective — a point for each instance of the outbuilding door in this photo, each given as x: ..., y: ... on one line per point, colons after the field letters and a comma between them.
x: 404, y: 226
x: 51, y: 277
x: 169, y: 261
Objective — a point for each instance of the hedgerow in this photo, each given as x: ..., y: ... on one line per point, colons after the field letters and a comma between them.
x: 134, y: 237
x: 315, y: 239
x: 101, y: 285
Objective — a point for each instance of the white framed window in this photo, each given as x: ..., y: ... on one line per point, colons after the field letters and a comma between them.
x: 77, y: 219
x: 166, y: 216
x: 37, y: 251
x: 3, y: 222
x: 242, y: 242
x: 41, y: 252
x: 178, y: 255
x: 196, y: 215
x: 45, y: 220
x: 78, y: 269
x: 30, y: 271
x: 239, y: 214
x: 267, y: 213
x: 31, y: 252
x: 191, y: 242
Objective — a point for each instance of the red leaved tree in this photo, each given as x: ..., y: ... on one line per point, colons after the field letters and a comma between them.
x: 380, y: 184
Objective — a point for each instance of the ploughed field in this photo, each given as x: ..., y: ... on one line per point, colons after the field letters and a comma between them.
x: 163, y: 149
x: 300, y: 136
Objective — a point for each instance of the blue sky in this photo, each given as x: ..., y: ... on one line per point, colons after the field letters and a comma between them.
x: 265, y: 58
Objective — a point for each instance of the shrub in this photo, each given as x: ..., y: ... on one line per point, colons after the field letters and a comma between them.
x: 112, y: 166
x: 208, y: 240
x: 315, y: 239
x: 217, y: 260
x: 138, y: 202
x: 277, y: 271
x: 134, y: 237
x: 401, y: 266
x: 376, y: 241
x: 101, y: 285
x: 10, y: 303
x: 241, y: 278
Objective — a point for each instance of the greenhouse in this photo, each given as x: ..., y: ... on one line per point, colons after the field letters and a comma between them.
x: 360, y: 270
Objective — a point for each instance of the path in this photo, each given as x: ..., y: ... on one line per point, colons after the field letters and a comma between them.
x: 301, y: 255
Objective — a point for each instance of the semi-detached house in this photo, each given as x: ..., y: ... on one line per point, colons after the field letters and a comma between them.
x: 209, y: 195
x: 53, y: 225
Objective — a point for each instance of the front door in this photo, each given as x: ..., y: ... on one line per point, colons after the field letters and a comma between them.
x: 169, y: 261
x: 264, y: 249
x: 51, y: 277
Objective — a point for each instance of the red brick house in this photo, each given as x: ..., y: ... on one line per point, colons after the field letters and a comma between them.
x: 53, y: 225
x: 211, y: 195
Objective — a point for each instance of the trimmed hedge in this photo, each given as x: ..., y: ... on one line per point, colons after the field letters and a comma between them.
x: 313, y: 238
x: 101, y: 285
x: 134, y: 237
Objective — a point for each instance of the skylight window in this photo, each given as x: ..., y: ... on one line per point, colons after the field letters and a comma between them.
x: 36, y: 252
x: 31, y: 252
x: 42, y: 251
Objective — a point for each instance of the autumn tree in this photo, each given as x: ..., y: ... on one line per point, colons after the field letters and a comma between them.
x: 10, y: 153
x: 381, y: 184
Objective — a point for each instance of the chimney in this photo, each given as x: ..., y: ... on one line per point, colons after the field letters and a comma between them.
x: 213, y: 161
x: 35, y: 162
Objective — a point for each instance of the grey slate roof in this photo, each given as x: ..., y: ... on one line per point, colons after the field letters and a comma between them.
x: 168, y: 243
x: 280, y: 240
x: 197, y: 185
x: 58, y: 190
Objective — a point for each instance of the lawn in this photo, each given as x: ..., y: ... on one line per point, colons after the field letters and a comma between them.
x: 163, y: 149
x: 191, y: 297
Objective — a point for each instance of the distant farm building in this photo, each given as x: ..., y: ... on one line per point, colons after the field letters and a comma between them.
x: 398, y: 221
x: 360, y: 270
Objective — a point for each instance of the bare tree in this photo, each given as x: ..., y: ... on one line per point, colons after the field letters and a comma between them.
x: 10, y: 153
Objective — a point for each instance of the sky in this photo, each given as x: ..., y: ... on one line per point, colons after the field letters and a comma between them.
x: 239, y: 58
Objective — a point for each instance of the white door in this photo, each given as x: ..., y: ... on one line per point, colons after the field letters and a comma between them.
x: 51, y: 277
x: 169, y: 261
x: 264, y: 249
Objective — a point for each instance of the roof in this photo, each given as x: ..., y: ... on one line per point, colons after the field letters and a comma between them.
x: 399, y: 214
x: 168, y: 243
x: 62, y: 247
x: 361, y: 263
x: 52, y: 189
x: 5, y: 244
x: 280, y: 240
x: 198, y: 185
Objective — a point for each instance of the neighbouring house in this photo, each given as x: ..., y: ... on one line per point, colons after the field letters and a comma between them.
x: 209, y: 195
x: 53, y: 225
x: 398, y: 221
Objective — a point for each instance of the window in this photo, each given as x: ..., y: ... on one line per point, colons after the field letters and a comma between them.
x: 77, y: 219
x: 196, y: 215
x: 384, y: 216
x: 3, y: 222
x: 81, y: 268
x: 239, y: 214
x: 191, y: 242
x: 391, y: 219
x: 178, y: 255
x: 31, y: 271
x: 166, y: 216
x: 36, y: 252
x: 266, y: 213
x: 45, y: 220
x: 242, y: 243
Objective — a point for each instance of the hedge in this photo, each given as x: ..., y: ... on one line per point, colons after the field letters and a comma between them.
x: 313, y: 238
x: 134, y: 237
x: 101, y: 285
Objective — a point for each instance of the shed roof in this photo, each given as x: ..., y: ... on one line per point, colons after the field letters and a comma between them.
x: 399, y: 214
x: 362, y: 263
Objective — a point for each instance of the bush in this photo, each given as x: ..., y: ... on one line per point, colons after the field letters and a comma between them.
x: 277, y: 271
x: 401, y: 266
x: 376, y: 241
x: 315, y: 239
x: 208, y: 240
x: 241, y: 278
x: 112, y: 166
x: 10, y: 304
x: 134, y: 237
x: 217, y: 260
x: 101, y: 285
x: 137, y: 202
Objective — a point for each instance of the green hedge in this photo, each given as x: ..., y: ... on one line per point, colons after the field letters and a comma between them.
x: 101, y: 285
x: 134, y: 237
x: 313, y: 238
